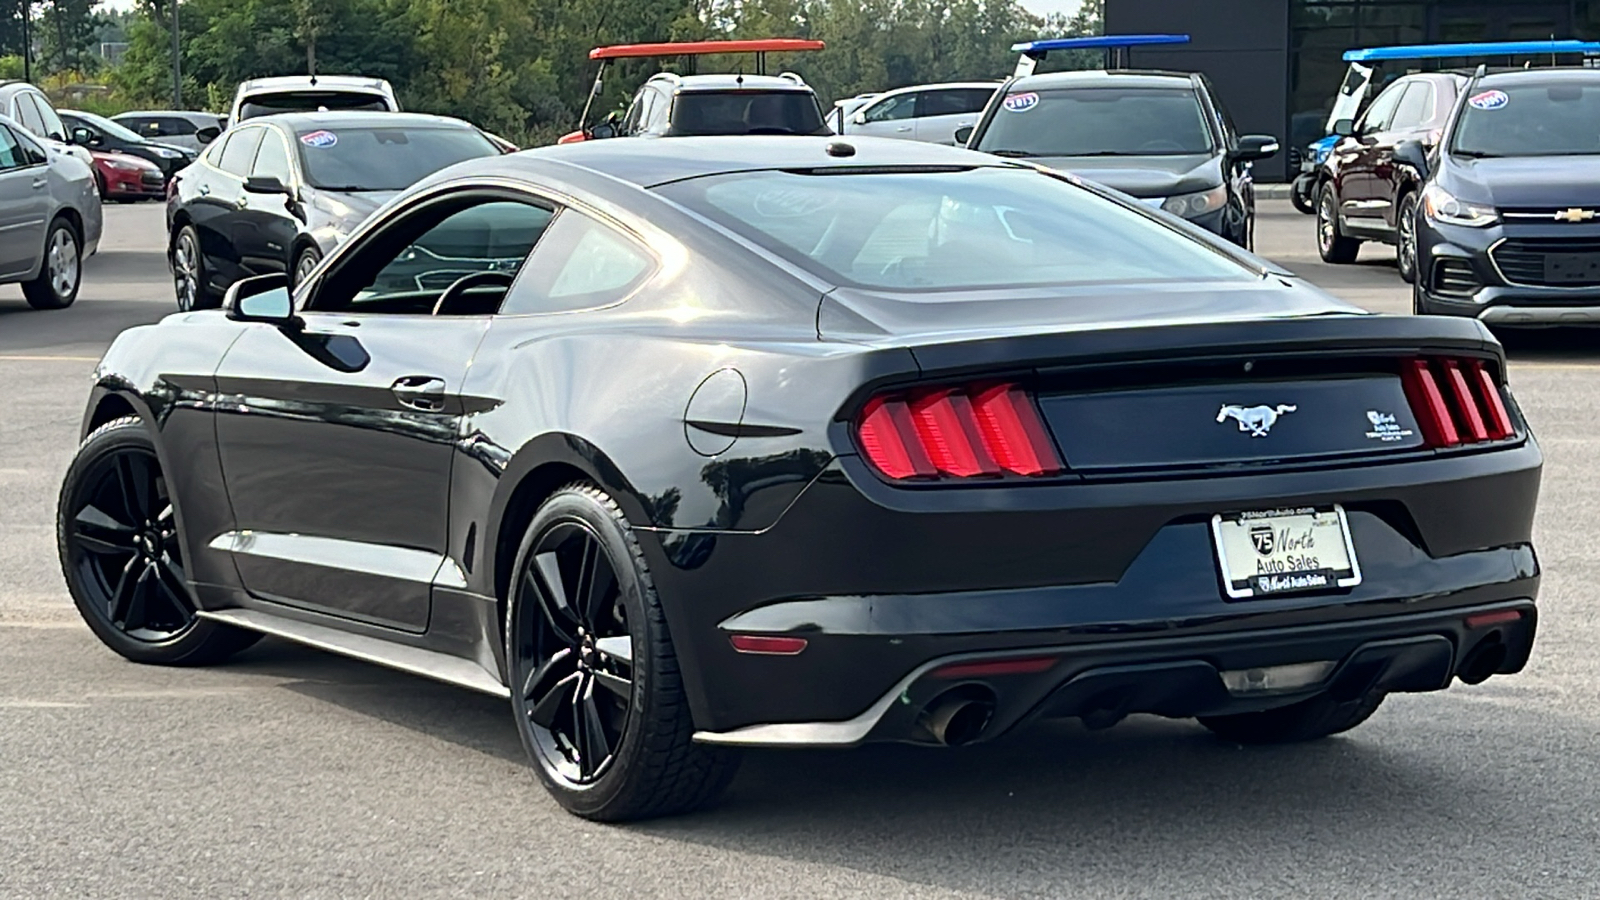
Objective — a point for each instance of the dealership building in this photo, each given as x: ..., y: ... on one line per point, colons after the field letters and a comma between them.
x: 1277, y: 65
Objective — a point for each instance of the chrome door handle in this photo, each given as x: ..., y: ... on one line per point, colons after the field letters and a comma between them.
x: 420, y: 392
x: 903, y: 128
x: 40, y: 182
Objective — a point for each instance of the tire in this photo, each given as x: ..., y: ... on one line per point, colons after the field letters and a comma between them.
x: 191, y: 284
x: 1419, y: 306
x: 1300, y: 195
x: 1307, y: 720
x: 304, y: 262
x: 100, y: 182
x: 1405, y: 228
x: 61, y: 270
x: 1332, y: 245
x: 114, y: 507
x: 607, y: 670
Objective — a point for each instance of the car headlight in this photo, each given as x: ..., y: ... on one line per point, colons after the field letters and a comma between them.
x: 123, y: 165
x: 1198, y: 203
x: 1442, y: 206
x: 164, y: 153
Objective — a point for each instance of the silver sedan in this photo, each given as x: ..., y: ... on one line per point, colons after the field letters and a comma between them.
x: 49, y: 218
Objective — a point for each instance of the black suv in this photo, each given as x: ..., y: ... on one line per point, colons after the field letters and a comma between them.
x: 1162, y: 137
x: 1508, y: 229
x: 99, y: 133
x: 1363, y: 193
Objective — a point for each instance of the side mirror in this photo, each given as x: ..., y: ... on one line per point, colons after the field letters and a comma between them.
x: 860, y: 117
x: 1344, y: 127
x: 222, y: 124
x: 1255, y: 146
x: 82, y: 136
x: 1413, y: 154
x: 207, y: 135
x: 265, y: 299
x: 602, y: 130
x: 963, y: 135
x: 265, y: 184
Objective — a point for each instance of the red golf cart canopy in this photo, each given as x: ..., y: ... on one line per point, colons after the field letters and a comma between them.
x: 699, y: 48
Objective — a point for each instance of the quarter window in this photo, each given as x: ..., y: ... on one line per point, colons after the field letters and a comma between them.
x: 273, y: 159
x: 28, y: 114
x: 52, y: 122
x: 581, y: 264
x: 11, y: 153
x: 241, y: 151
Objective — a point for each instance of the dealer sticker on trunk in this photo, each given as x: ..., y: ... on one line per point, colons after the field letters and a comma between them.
x: 1281, y: 551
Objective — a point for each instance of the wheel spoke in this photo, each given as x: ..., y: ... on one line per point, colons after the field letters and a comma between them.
x: 138, y: 613
x: 562, y: 626
x: 598, y: 586
x: 592, y: 743
x: 538, y: 681
x: 122, y: 594
x: 558, y: 601
x: 546, y: 708
x: 616, y: 648
x: 133, y: 477
x: 171, y: 582
x: 616, y: 684
x: 98, y: 532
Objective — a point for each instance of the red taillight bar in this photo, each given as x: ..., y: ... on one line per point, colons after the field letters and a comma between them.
x: 1455, y: 401
x: 988, y: 430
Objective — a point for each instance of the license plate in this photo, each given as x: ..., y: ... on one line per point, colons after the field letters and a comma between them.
x: 1283, y: 551
x: 1570, y: 268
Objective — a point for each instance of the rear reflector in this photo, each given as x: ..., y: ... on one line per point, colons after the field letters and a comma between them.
x: 768, y: 645
x: 985, y: 668
x: 976, y: 431
x: 1456, y: 401
x: 1499, y: 617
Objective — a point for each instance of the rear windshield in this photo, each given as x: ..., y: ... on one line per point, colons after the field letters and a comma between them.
x: 951, y: 230
x: 370, y: 158
x: 309, y: 101
x: 746, y: 112
x: 1107, y: 121
x: 1550, y: 119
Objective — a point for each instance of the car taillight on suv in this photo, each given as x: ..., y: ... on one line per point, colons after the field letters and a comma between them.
x: 1456, y: 401
x: 984, y: 430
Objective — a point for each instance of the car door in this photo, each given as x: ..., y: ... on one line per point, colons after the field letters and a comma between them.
x: 222, y: 202
x: 893, y: 116
x: 264, y: 229
x: 337, y: 438
x: 944, y: 110
x: 1409, y: 123
x: 1361, y: 203
x: 24, y: 204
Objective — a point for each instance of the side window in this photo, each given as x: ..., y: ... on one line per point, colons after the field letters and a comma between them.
x: 581, y: 264
x: 172, y: 125
x: 635, y: 114
x: 952, y: 102
x: 273, y: 159
x: 53, y: 126
x: 1414, y: 108
x: 32, y: 153
x: 241, y: 151
x: 657, y: 121
x: 1381, y: 112
x: 437, y: 245
x: 217, y: 148
x: 900, y: 106
x: 28, y: 114
x: 11, y: 153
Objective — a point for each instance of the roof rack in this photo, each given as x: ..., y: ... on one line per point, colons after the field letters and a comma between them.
x: 691, y: 49
x: 1115, y: 45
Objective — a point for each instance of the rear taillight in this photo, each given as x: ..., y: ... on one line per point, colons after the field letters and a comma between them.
x: 972, y: 431
x: 1456, y: 401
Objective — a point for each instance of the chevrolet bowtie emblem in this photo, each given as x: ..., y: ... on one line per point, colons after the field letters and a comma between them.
x: 1574, y: 215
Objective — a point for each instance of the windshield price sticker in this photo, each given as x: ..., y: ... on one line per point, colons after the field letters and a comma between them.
x: 1488, y: 100
x: 1284, y: 551
x: 1021, y: 102
x: 319, y: 139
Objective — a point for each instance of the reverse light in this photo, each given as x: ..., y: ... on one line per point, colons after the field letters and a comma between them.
x: 975, y: 431
x: 1442, y: 206
x: 1456, y: 401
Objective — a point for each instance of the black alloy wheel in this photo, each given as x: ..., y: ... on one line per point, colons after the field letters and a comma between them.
x: 595, y: 685
x: 1332, y: 245
x: 1405, y: 224
x: 120, y: 552
x: 190, y: 281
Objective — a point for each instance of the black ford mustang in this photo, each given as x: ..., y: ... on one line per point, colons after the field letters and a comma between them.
x: 715, y: 442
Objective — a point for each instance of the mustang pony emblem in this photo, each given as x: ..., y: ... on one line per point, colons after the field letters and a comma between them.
x: 1258, y: 420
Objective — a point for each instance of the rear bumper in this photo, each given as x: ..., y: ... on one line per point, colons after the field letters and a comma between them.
x: 1218, y: 674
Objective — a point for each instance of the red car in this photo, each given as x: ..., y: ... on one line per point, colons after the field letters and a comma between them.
x: 124, y: 177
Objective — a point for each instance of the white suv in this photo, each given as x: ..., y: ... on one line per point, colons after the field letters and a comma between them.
x: 310, y: 93
x: 923, y: 112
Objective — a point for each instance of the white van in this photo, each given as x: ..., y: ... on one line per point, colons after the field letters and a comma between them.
x: 310, y: 93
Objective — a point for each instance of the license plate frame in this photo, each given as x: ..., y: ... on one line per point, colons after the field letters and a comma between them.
x: 1294, y: 577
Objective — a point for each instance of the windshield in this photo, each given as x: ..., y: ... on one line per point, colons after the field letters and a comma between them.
x: 951, y: 230
x: 1103, y: 121
x: 115, y: 129
x: 1549, y: 119
x: 746, y: 112
x: 310, y: 101
x: 371, y: 158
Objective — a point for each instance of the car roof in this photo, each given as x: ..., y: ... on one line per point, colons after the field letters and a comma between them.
x: 944, y: 85
x: 1100, y: 78
x: 649, y: 163
x: 350, y: 118
x: 338, y: 82
x: 1556, y: 75
x: 190, y: 114
x: 734, y: 82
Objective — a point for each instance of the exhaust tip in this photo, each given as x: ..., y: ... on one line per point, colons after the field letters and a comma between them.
x: 1483, y: 660
x: 959, y: 716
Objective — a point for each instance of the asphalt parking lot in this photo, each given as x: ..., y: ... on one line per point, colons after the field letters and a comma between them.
x: 289, y: 772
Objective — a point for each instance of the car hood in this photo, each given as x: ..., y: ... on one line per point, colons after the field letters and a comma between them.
x: 1528, y: 181
x: 1143, y: 176
x: 894, y: 319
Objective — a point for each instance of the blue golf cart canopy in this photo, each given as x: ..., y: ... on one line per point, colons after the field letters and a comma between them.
x: 1491, y: 48
x: 1115, y: 45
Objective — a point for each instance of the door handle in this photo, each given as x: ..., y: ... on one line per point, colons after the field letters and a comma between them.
x: 903, y: 128
x: 423, y: 393
x: 40, y: 182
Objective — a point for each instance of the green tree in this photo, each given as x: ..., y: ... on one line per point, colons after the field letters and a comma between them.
x: 66, y: 32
